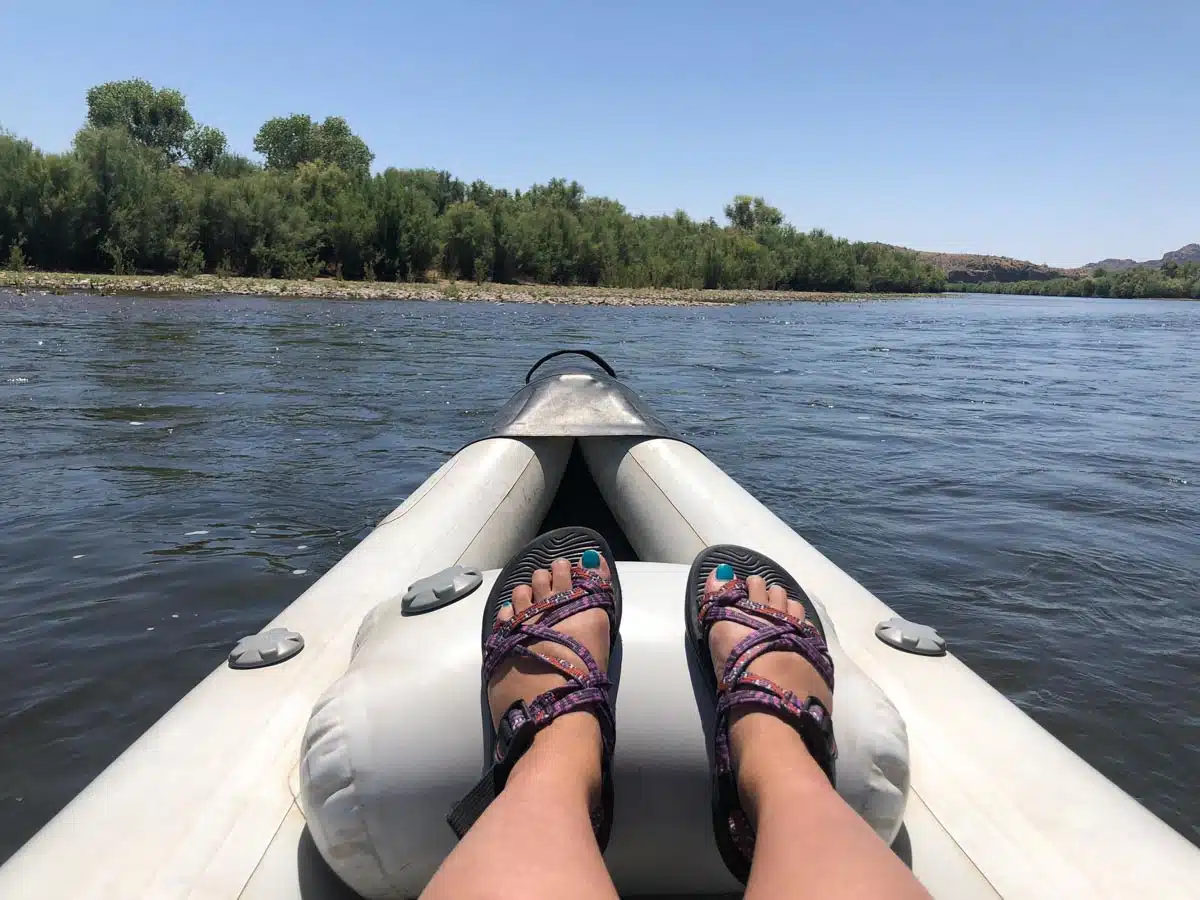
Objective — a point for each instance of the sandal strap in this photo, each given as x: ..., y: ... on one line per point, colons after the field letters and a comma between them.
x: 550, y: 705
x: 809, y: 717
x: 514, y: 736
x: 589, y: 590
x: 585, y: 690
x: 771, y: 630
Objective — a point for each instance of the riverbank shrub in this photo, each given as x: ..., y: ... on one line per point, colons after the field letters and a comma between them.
x: 144, y: 189
x: 16, y: 258
x: 1170, y: 281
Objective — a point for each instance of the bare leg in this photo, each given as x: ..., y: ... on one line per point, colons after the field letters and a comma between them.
x: 535, y: 841
x: 809, y: 843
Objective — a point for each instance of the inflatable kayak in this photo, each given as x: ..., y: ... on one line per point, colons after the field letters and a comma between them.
x: 309, y: 766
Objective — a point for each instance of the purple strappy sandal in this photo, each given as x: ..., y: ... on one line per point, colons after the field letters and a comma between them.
x: 584, y: 690
x: 737, y: 687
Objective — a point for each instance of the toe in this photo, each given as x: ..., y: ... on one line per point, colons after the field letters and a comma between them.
x: 796, y: 610
x: 757, y: 589
x: 541, y: 584
x: 777, y: 598
x: 594, y: 562
x: 521, y: 597
x: 560, y: 572
x: 717, y: 579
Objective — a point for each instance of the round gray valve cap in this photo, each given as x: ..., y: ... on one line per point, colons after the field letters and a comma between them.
x: 265, y: 648
x: 439, y: 590
x: 911, y: 637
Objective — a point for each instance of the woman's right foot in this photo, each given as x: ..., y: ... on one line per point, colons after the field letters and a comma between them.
x: 781, y: 827
x: 767, y: 751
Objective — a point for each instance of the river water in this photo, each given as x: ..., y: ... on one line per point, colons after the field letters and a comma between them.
x: 1023, y: 473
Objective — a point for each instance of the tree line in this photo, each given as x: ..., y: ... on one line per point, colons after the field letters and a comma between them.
x: 144, y: 188
x: 1171, y: 280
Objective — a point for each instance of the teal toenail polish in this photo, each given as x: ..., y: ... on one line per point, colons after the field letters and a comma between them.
x: 591, y: 559
x: 724, y: 572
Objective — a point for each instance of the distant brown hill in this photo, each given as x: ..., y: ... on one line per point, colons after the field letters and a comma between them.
x: 1185, y: 254
x: 1115, y: 265
x: 974, y: 268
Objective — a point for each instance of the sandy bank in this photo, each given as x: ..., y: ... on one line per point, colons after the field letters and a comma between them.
x: 330, y: 289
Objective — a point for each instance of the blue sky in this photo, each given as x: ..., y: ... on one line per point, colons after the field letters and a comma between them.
x: 1056, y: 131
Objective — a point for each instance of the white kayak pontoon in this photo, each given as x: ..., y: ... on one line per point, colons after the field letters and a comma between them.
x: 207, y: 804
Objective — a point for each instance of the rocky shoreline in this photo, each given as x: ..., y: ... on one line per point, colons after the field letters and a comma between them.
x: 331, y: 289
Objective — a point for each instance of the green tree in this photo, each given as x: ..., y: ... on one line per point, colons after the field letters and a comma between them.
x: 233, y: 165
x: 22, y: 184
x: 130, y: 203
x: 339, y: 209
x: 287, y: 141
x: 440, y: 187
x: 749, y: 213
x: 204, y: 146
x: 338, y: 145
x: 467, y: 249
x: 406, y: 228
x: 291, y: 141
x: 158, y: 119
x: 121, y: 199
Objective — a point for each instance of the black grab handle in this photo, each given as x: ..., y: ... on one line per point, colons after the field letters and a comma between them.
x: 594, y: 357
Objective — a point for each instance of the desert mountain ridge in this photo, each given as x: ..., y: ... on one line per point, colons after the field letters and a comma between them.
x: 976, y: 268
x: 1188, y: 253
